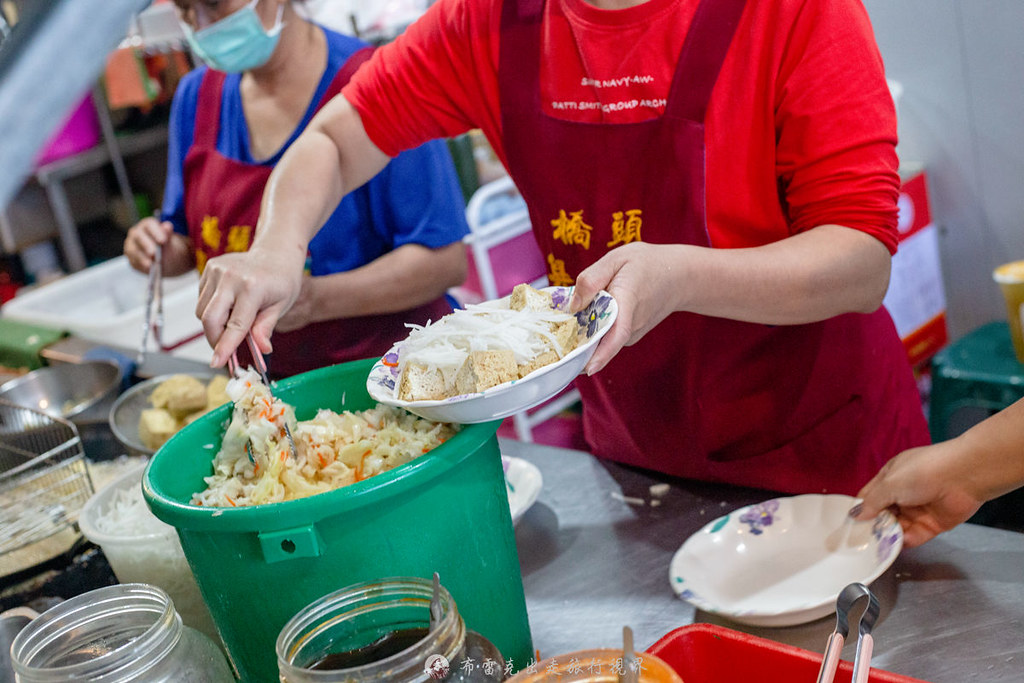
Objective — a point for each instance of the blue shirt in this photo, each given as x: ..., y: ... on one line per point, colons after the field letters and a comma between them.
x: 416, y: 199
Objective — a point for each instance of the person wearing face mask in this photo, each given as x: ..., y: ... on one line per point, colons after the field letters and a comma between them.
x: 385, y: 255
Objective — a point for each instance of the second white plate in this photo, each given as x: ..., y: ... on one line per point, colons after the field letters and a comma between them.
x: 784, y: 561
x: 522, y: 483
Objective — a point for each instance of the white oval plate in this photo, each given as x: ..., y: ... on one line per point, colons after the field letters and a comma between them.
x: 522, y: 483
x: 509, y: 398
x: 784, y: 561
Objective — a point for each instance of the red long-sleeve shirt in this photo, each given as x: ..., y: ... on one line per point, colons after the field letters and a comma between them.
x: 800, y: 131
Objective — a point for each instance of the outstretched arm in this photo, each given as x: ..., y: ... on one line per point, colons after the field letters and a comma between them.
x: 934, y: 488
x: 808, y: 277
x: 409, y: 276
x: 250, y: 291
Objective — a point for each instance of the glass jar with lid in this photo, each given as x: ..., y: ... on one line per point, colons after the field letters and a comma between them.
x: 398, y: 630
x: 127, y: 633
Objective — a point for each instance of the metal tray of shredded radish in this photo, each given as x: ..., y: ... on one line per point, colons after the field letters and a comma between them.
x: 494, y: 359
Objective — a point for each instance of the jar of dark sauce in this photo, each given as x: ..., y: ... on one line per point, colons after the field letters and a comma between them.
x: 383, y: 631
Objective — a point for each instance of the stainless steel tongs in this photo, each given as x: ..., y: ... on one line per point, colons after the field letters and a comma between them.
x: 153, y: 316
x: 261, y: 367
x: 865, y: 643
x: 154, y: 297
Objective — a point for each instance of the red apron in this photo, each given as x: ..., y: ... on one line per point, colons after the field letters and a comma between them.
x: 797, y: 408
x: 223, y: 206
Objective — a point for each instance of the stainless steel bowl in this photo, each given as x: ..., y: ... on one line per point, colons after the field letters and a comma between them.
x: 127, y: 409
x: 75, y: 391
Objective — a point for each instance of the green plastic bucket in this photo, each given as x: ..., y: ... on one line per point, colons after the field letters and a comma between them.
x: 256, y: 567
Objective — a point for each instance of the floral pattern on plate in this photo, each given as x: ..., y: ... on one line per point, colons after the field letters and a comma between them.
x: 887, y: 533
x: 760, y: 516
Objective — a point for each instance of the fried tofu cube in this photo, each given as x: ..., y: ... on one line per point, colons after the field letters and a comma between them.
x: 526, y: 298
x: 567, y: 335
x: 546, y: 358
x: 156, y: 426
x: 217, y: 392
x: 421, y: 383
x: 485, y: 369
x: 179, y: 395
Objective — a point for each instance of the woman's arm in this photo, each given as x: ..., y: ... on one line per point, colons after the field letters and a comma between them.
x: 934, y: 488
x: 811, y: 276
x: 252, y: 290
x: 405, y: 278
x: 415, y: 210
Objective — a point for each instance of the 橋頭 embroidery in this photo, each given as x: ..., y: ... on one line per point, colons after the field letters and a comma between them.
x: 626, y: 227
x: 557, y: 275
x: 570, y: 228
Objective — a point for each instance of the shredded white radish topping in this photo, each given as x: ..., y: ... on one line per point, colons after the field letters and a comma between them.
x: 445, y: 344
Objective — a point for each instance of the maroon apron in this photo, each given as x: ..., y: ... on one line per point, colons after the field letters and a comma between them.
x: 795, y: 408
x: 222, y: 208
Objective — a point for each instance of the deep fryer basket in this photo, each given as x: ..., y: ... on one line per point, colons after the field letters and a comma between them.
x: 43, y: 477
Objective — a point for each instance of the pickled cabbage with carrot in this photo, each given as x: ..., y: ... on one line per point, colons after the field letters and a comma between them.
x: 332, y: 449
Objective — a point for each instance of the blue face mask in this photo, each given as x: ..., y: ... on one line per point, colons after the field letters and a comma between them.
x: 236, y: 43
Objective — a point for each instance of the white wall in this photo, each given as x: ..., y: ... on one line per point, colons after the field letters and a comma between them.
x: 961, y: 63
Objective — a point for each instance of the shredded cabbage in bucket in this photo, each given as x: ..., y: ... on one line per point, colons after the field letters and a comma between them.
x: 333, y: 450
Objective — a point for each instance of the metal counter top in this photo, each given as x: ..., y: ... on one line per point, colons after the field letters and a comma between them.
x: 594, y: 561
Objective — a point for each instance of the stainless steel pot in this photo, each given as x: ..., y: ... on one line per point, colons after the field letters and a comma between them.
x: 80, y: 392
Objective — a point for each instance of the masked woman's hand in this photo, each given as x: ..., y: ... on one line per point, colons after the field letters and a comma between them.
x: 142, y: 241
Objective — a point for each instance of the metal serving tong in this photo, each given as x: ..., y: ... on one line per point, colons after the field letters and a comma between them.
x: 261, y: 367
x: 865, y: 643
x: 154, y: 296
x: 153, y: 317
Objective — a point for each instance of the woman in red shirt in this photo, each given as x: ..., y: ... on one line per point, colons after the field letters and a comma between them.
x: 726, y: 169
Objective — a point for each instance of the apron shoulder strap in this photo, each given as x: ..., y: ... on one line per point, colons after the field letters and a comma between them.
x: 207, y: 123
x: 701, y: 58
x: 521, y: 12
x: 519, y: 54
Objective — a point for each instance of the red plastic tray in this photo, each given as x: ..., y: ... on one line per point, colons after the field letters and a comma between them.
x: 705, y: 653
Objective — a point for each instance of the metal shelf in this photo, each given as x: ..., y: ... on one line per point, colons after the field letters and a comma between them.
x: 113, y: 149
x: 99, y: 156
